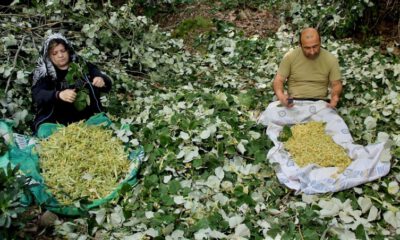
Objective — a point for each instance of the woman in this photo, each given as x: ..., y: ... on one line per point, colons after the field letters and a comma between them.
x: 53, y: 96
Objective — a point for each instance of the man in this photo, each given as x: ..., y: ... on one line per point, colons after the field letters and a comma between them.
x: 309, y: 71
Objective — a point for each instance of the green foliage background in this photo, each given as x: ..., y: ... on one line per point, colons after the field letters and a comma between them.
x: 13, y: 187
x: 206, y: 174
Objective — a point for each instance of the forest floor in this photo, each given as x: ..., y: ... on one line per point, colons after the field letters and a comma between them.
x: 251, y: 21
x: 264, y: 23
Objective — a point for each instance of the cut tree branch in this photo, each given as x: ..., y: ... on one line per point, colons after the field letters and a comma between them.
x: 14, y: 63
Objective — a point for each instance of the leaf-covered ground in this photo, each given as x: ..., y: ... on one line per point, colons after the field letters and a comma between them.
x: 206, y: 175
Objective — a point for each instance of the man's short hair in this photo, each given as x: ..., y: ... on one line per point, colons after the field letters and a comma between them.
x: 300, y: 33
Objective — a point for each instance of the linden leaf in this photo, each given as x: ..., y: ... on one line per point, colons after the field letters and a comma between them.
x: 373, y: 214
x: 149, y: 214
x: 82, y: 100
x: 213, y: 182
x: 184, y: 135
x: 392, y: 218
x: 240, y: 147
x: 242, y: 231
x: 393, y: 188
x: 370, y: 122
x: 179, y: 200
x: 219, y: 172
x: 365, y: 203
x: 205, y: 134
x: 235, y: 221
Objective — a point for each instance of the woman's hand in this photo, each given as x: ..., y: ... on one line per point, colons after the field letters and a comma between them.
x: 98, y: 82
x: 68, y: 95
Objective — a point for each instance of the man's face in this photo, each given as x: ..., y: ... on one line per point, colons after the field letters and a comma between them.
x: 59, y: 56
x: 311, y: 46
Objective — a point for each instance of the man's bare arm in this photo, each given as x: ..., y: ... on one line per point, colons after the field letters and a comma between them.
x: 336, y: 90
x: 279, y: 90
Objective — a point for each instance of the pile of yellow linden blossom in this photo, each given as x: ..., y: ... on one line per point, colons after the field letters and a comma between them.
x: 81, y: 161
x: 309, y: 144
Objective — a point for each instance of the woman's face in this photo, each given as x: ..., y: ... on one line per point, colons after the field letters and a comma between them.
x: 59, y: 56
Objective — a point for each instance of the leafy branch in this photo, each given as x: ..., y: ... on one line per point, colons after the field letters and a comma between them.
x: 76, y: 77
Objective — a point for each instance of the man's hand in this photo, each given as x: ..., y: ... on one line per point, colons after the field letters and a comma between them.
x: 68, y: 95
x: 334, y: 101
x: 286, y: 100
x: 278, y: 89
x: 336, y: 87
x: 98, y: 82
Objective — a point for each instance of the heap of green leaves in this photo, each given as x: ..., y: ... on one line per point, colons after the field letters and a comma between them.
x: 285, y: 134
x: 13, y: 186
x: 206, y: 173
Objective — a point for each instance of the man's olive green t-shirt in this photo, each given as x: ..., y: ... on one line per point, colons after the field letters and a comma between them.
x: 309, y: 78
